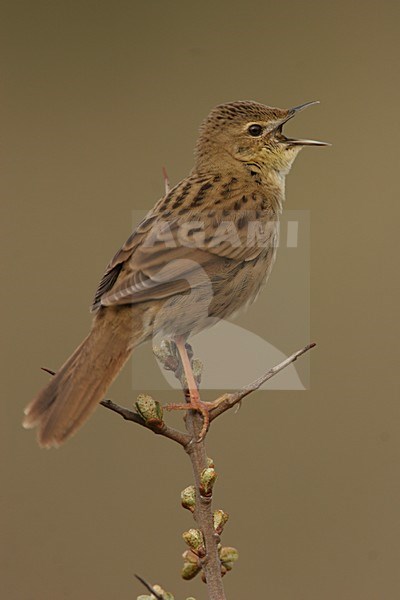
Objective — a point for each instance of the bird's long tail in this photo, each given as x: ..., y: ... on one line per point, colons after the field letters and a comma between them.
x: 74, y: 392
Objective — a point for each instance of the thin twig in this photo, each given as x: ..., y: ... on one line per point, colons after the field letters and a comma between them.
x: 148, y: 587
x: 48, y: 371
x: 167, y: 184
x: 158, y: 427
x: 227, y: 401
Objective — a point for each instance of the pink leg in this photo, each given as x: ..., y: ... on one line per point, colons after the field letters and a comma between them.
x: 195, y: 402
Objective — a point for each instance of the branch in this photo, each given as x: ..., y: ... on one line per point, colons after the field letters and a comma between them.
x: 203, y: 512
x: 227, y: 401
x: 167, y: 185
x: 149, y: 588
x: 158, y: 427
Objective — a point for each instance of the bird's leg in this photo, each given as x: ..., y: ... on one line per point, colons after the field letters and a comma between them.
x: 193, y: 395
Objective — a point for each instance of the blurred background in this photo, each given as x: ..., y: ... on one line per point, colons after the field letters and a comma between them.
x: 96, y: 98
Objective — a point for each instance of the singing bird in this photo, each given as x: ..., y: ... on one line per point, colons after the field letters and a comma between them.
x: 204, y: 251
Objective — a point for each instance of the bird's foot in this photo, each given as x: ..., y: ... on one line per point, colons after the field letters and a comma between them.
x: 199, y: 406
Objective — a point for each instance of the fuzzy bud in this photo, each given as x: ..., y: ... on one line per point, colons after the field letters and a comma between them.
x: 189, y: 570
x: 189, y: 556
x: 188, y: 498
x: 164, y: 350
x: 197, y: 368
x: 165, y: 595
x: 149, y: 409
x: 207, y: 479
x: 228, y: 556
x: 220, y: 520
x: 191, y: 565
x: 195, y: 541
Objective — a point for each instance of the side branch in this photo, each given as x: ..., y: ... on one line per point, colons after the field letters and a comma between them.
x: 149, y: 588
x: 227, y: 401
x: 158, y: 427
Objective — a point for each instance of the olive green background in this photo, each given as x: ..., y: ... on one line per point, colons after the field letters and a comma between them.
x: 96, y: 97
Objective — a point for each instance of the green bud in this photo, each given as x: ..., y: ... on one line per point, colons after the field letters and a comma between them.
x: 188, y: 498
x: 197, y: 368
x: 224, y: 570
x: 228, y: 556
x: 190, y: 570
x: 220, y: 520
x: 161, y: 592
x: 164, y: 350
x: 207, y: 479
x: 210, y: 462
x: 195, y: 541
x: 191, y: 557
x: 149, y: 409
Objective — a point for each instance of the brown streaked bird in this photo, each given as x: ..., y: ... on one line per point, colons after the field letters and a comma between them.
x: 204, y: 251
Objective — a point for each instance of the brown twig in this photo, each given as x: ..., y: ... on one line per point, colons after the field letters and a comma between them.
x: 167, y: 184
x: 228, y: 401
x: 149, y: 588
x: 158, y: 427
x: 203, y: 513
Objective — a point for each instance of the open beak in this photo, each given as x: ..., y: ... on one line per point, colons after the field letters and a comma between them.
x: 298, y: 142
x: 305, y: 142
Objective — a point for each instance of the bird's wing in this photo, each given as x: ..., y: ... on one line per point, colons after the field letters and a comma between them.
x: 182, y: 240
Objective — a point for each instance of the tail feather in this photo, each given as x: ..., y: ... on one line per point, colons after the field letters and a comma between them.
x: 74, y: 392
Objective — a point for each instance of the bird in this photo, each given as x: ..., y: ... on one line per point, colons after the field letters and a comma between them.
x: 202, y: 253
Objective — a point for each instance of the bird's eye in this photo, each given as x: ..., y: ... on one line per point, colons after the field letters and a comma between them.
x: 255, y: 130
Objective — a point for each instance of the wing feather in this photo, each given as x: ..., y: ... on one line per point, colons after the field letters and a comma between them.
x: 182, y: 240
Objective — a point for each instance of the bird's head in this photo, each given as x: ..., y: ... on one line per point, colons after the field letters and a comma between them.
x: 251, y: 134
